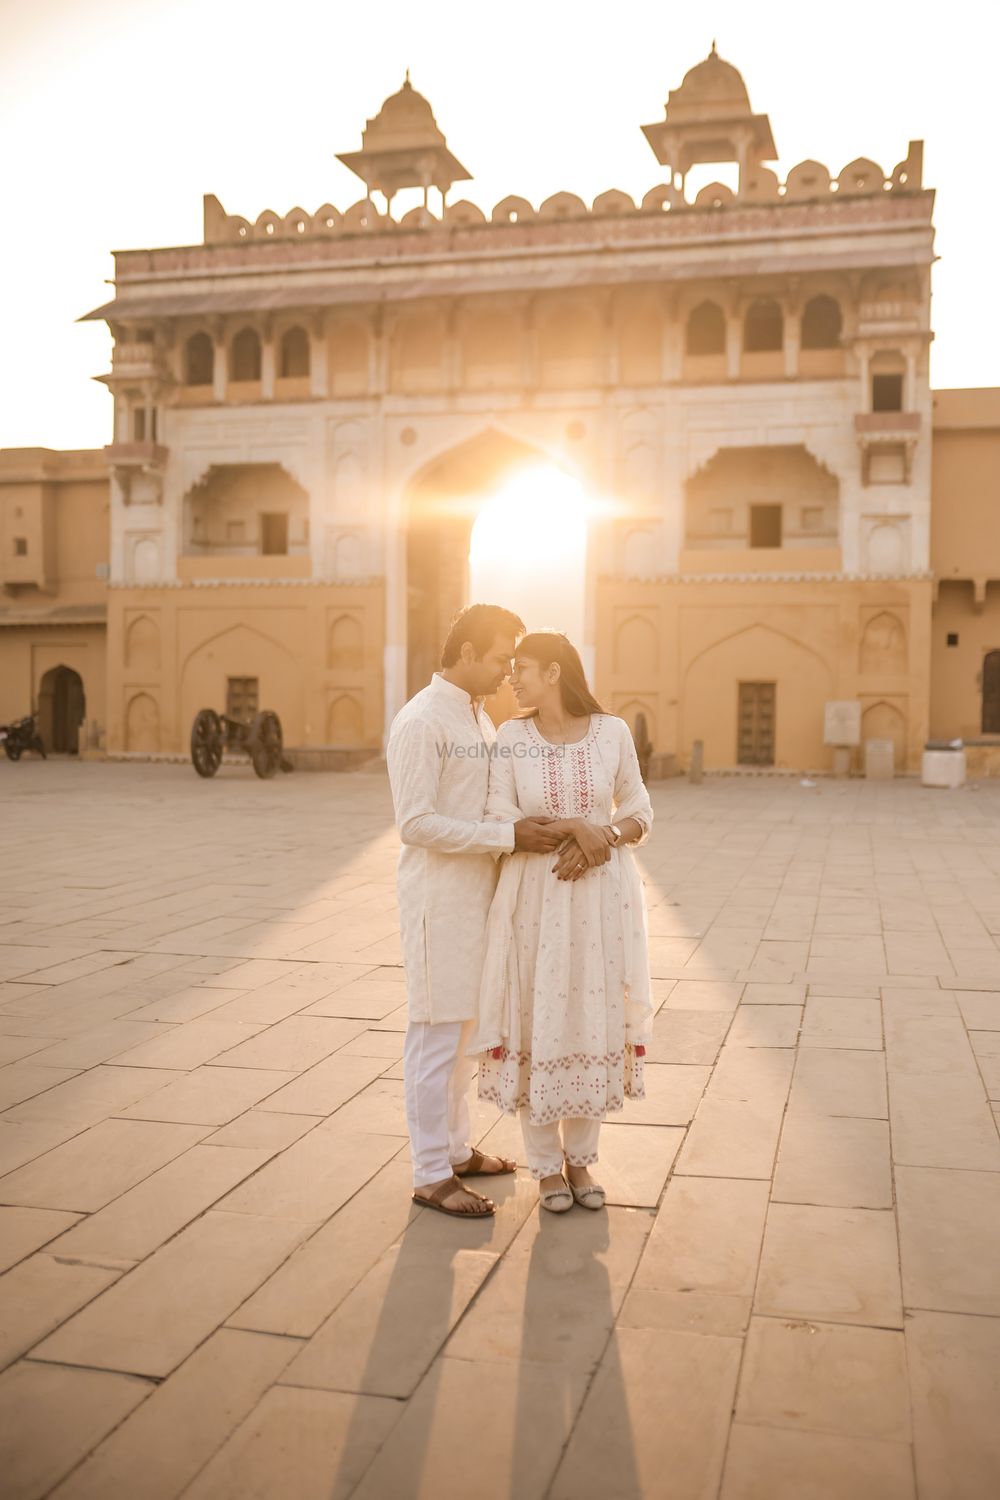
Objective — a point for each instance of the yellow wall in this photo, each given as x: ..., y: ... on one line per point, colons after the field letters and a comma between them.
x: 315, y: 649
x: 678, y: 652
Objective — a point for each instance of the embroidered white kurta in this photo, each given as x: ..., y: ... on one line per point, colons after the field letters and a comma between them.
x: 566, y: 995
x: 438, y: 757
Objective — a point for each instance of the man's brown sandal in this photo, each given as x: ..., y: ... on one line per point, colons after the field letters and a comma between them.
x: 436, y: 1200
x: 476, y: 1166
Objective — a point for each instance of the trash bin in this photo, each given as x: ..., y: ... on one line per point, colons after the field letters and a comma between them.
x: 943, y: 763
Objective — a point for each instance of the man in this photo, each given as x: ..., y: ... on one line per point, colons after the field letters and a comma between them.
x: 438, y: 757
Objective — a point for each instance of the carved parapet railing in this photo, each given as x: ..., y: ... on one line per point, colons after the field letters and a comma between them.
x: 128, y: 461
x: 883, y: 430
x: 137, y: 361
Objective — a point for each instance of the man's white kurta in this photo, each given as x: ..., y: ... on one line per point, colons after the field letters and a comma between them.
x: 438, y: 757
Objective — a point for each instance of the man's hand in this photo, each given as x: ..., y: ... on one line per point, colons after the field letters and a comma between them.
x: 533, y: 836
x: 589, y: 845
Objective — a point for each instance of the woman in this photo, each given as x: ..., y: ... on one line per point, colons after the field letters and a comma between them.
x: 564, y: 1006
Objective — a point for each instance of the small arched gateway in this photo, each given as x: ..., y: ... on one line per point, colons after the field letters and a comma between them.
x: 62, y: 708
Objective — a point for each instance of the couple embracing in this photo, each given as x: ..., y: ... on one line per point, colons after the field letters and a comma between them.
x: 522, y: 913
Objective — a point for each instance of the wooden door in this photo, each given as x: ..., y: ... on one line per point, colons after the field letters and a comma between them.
x: 991, y: 692
x: 755, y: 727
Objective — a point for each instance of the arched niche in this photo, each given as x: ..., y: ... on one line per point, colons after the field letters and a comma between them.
x: 142, y: 724
x: 883, y: 650
x: 142, y: 644
x: 346, y: 644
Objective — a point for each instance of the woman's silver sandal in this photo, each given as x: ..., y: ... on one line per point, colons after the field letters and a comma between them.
x: 557, y: 1200
x: 588, y: 1197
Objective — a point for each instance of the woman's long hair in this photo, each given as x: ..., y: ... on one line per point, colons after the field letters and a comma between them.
x: 548, y: 646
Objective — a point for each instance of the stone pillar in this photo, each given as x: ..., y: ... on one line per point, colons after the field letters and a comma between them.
x: 910, y: 382
x: 734, y: 341
x: 220, y: 371
x: 609, y: 331
x: 267, y: 360
x: 453, y: 372
x: 319, y: 356
x: 793, y: 340
x: 377, y: 355
x: 671, y: 342
x: 529, y: 348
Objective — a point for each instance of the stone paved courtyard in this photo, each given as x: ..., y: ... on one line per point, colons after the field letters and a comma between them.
x: 214, y: 1286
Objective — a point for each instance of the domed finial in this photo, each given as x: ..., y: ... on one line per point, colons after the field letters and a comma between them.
x: 408, y: 85
x: 713, y: 52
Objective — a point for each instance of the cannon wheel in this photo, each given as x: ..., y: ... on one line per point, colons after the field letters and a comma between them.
x: 13, y: 751
x: 266, y: 744
x: 206, y: 742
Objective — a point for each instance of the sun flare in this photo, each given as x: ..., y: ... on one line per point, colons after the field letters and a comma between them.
x: 528, y: 549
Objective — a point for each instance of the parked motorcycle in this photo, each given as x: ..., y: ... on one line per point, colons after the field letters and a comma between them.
x: 20, y: 736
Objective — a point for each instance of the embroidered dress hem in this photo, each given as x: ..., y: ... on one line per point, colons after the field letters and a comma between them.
x: 577, y: 1086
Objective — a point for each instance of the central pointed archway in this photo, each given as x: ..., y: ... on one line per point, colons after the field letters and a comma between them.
x: 507, y: 485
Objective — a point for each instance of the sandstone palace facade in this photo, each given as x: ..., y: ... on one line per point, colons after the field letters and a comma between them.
x: 307, y: 406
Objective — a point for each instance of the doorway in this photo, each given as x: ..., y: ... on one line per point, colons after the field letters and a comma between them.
x: 62, y: 707
x: 991, y: 692
x: 755, y: 724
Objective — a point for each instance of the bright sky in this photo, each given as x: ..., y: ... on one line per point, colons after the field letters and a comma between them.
x: 117, y: 115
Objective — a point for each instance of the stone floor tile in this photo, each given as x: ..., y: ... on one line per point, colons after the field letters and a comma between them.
x: 832, y: 1017
x: 759, y: 993
x: 927, y: 1044
x: 192, y: 1044
x: 14, y: 1048
x: 555, y: 1296
x: 833, y: 1159
x: 260, y: 1130
x: 735, y: 1132
x: 704, y: 995
x: 23, y: 1230
x: 673, y: 1092
x: 686, y: 1311
x: 515, y: 1453
x: 379, y: 1109
x: 825, y: 1377
x: 322, y: 1089
x: 314, y: 1177
x: 980, y: 1011
x: 20, y: 1143
x: 209, y: 1095
x: 949, y: 1234
x: 98, y: 1043
x: 688, y: 1036
x: 98, y: 1165
x: 303, y: 1292
x: 138, y: 1222
x: 838, y: 1081
x: 387, y: 1044
x: 840, y: 1265
x: 942, y: 1120
x: 92, y: 1096
x: 659, y: 1406
x: 385, y: 1334
x: 187, y: 1004
x: 362, y: 999
x: 773, y: 1463
x: 706, y: 1238
x: 26, y: 1080
x: 333, y: 1436
x: 954, y: 1363
x: 765, y: 1026
x: 205, y: 1400
x: 635, y: 1161
x: 36, y: 1296
x: 293, y: 1044
x: 161, y: 1311
x: 35, y: 1450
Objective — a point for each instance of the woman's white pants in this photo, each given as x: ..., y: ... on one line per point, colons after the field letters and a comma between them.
x: 546, y: 1148
x: 436, y: 1079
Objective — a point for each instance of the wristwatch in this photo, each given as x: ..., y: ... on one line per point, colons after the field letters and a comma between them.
x: 617, y: 833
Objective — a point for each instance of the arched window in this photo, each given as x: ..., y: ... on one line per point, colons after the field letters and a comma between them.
x: 199, y: 360
x: 821, y: 324
x: 706, y: 330
x: 294, y: 363
x: 763, y: 327
x: 245, y: 356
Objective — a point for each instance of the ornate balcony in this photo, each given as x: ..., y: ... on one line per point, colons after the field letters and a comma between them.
x: 882, y: 435
x: 130, y: 461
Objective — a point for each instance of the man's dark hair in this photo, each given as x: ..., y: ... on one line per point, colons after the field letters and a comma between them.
x: 479, y: 624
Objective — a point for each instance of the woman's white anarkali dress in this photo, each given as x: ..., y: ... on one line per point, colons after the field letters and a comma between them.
x: 565, y: 995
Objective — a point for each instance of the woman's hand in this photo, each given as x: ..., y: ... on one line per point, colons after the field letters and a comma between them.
x: 588, y: 844
x: 537, y: 835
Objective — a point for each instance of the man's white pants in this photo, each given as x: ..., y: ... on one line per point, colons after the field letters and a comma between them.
x: 436, y: 1079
